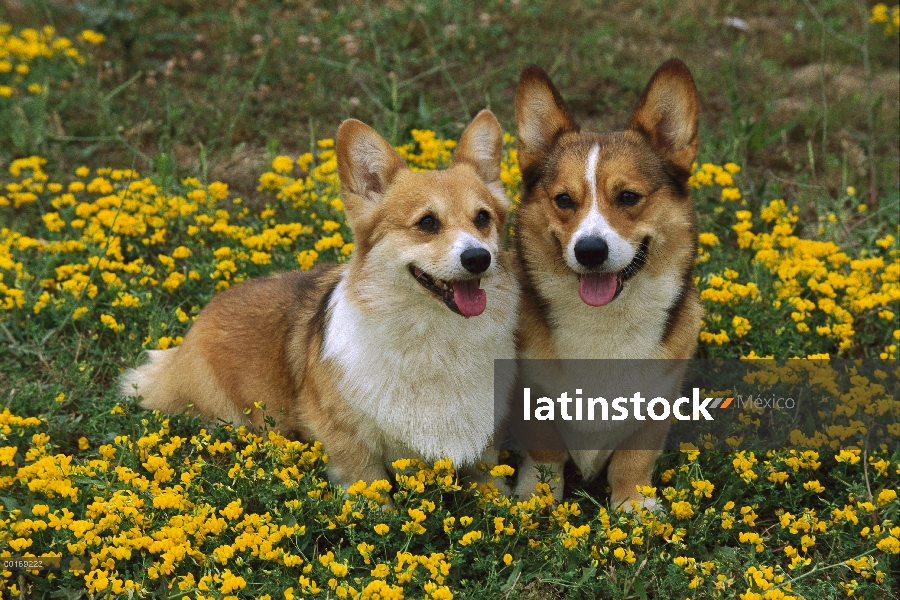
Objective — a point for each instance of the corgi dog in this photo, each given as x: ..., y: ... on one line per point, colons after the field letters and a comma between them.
x: 605, y: 245
x: 387, y: 356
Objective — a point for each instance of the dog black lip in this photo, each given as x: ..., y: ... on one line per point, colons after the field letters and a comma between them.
x: 429, y: 283
x: 637, y: 263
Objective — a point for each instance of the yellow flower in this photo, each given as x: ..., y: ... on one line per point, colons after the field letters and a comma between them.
x: 814, y: 486
x: 282, y: 164
x: 741, y: 326
x: 470, y: 537
x: 172, y: 281
x: 723, y: 178
x: 306, y: 259
x: 260, y: 258
x: 708, y: 239
x: 682, y: 510
x: 731, y: 193
x: 502, y: 471
x: 703, y: 488
x: 890, y: 544
x: 848, y: 456
x: 886, y: 496
x: 217, y: 190
x: 92, y: 37
x: 110, y: 322
x: 885, y: 242
x: 751, y: 538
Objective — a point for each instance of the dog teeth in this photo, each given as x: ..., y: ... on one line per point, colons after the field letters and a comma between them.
x: 438, y: 286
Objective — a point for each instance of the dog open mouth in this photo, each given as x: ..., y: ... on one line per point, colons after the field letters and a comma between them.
x: 599, y: 289
x: 464, y: 297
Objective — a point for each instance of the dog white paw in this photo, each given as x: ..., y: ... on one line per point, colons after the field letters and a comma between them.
x: 651, y: 503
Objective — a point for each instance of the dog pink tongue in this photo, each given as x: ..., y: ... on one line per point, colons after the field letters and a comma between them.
x: 597, y: 289
x: 469, y: 298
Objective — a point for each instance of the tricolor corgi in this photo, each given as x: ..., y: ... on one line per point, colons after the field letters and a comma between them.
x: 605, y: 245
x: 388, y: 356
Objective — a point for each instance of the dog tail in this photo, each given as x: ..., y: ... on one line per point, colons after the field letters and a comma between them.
x: 151, y: 381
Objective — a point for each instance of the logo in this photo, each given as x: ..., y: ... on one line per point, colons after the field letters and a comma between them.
x: 624, y: 408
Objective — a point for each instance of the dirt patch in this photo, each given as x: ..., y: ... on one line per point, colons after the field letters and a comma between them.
x: 241, y: 170
x: 803, y: 89
x: 538, y: 590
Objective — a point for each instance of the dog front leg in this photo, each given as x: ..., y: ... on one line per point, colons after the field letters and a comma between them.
x: 631, y: 466
x: 535, y: 465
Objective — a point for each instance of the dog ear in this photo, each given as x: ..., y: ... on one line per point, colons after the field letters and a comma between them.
x: 668, y: 112
x: 367, y: 165
x: 481, y: 147
x: 541, y: 116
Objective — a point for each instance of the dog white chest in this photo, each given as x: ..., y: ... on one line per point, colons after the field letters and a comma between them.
x: 631, y: 326
x: 423, y: 379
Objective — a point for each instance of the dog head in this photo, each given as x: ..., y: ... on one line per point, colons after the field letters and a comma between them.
x: 435, y: 233
x: 600, y: 208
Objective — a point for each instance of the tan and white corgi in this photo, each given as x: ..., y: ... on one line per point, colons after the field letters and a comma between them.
x: 389, y: 356
x: 605, y: 246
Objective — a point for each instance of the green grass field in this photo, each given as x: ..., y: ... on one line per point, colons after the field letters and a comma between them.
x: 153, y: 153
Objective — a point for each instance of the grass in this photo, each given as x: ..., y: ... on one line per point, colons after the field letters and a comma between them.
x: 799, y: 120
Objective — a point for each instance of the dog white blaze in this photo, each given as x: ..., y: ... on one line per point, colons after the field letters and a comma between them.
x: 594, y: 223
x: 465, y: 241
x: 590, y: 173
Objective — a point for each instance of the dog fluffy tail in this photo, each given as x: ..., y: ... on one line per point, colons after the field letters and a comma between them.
x: 151, y: 381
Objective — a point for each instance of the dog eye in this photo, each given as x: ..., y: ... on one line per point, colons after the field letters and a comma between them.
x: 428, y: 223
x: 482, y: 219
x: 564, y: 201
x: 627, y: 198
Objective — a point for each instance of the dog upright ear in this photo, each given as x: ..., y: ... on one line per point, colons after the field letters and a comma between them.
x: 367, y: 166
x: 481, y: 147
x: 541, y: 117
x: 668, y: 113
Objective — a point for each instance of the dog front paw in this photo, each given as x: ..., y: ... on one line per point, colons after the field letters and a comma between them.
x: 635, y: 504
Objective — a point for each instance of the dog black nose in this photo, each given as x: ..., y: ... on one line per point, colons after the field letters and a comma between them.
x: 475, y: 260
x: 591, y: 251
